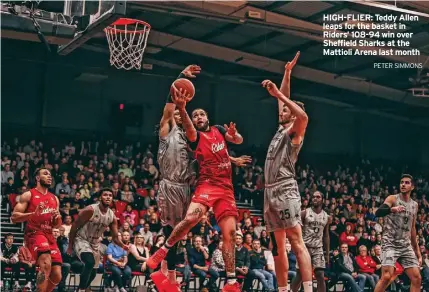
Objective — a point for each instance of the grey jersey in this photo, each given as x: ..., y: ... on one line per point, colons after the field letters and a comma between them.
x: 313, y: 227
x: 397, y: 226
x: 95, y: 227
x: 281, y: 157
x: 173, y: 156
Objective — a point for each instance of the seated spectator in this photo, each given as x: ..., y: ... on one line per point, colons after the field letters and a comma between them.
x: 257, y: 265
x: 242, y: 261
x: 159, y: 241
x: 10, y: 187
x: 28, y: 264
x: 349, y: 238
x: 150, y: 200
x: 248, y: 187
x: 129, y: 212
x: 147, y: 235
x: 9, y: 259
x: 292, y: 261
x: 117, y: 263
x: 140, y: 226
x: 377, y: 259
x: 364, y: 240
x: 127, y: 196
x: 198, y: 256
x: 367, y: 266
x: 68, y: 222
x: 247, y: 224
x: 378, y: 227
x: 265, y: 239
x: 155, y: 225
x: 84, y: 192
x: 259, y: 228
x: 138, y: 255
x: 217, y: 263
x: 6, y: 173
x: 248, y: 240
x: 181, y: 262
x: 125, y: 227
x: 63, y: 185
x: 347, y: 270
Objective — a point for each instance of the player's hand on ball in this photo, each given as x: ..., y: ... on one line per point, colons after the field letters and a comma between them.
x: 181, y: 97
x: 191, y: 70
x: 39, y: 208
x: 397, y: 209
x: 271, y: 87
x: 289, y: 65
x: 231, y: 129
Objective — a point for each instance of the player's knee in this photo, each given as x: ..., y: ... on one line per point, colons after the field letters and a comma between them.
x: 45, y: 263
x: 298, y: 247
x: 55, y: 276
x: 386, y: 277
x: 192, y: 219
x: 416, y: 278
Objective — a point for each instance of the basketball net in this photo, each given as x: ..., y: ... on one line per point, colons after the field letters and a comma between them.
x: 127, y: 40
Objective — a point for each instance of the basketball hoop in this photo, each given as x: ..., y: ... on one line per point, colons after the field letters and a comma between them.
x: 127, y: 40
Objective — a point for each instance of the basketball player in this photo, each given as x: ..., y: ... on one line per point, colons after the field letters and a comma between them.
x: 40, y: 210
x: 214, y: 186
x: 85, y: 235
x: 174, y: 194
x: 399, y: 241
x: 316, y: 237
x: 282, y: 201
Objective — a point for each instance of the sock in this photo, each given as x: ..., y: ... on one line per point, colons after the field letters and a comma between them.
x: 283, y: 289
x: 231, y: 278
x: 164, y: 268
x: 172, y: 276
x: 308, y: 286
x: 167, y: 246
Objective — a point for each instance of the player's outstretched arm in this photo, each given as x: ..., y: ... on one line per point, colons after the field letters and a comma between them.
x: 241, y: 161
x: 18, y: 214
x: 301, y: 122
x: 285, y: 86
x: 167, y: 120
x: 84, y: 216
x: 232, y: 134
x: 179, y: 99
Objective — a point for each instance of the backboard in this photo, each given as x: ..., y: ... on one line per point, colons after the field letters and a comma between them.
x: 91, y: 17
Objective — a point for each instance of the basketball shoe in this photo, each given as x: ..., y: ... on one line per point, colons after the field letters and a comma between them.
x: 155, y: 259
x: 232, y: 287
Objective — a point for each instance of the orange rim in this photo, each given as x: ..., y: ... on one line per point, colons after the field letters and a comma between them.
x: 127, y: 21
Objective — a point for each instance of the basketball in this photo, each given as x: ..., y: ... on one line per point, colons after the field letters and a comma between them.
x: 185, y: 84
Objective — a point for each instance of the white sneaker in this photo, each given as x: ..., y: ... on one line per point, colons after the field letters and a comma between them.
x: 1, y: 284
x: 28, y: 286
x: 123, y: 289
x: 16, y: 286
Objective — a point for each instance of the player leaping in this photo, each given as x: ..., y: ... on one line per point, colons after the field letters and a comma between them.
x: 85, y: 236
x: 399, y: 242
x: 214, y: 187
x: 316, y: 237
x: 282, y: 201
x: 40, y: 210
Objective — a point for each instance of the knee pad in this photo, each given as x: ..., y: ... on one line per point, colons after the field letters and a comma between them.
x: 167, y: 230
x: 274, y: 243
x: 171, y: 258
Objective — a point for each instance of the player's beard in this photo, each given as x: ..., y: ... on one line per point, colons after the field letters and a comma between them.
x: 105, y: 205
x: 204, y: 127
x: 44, y: 184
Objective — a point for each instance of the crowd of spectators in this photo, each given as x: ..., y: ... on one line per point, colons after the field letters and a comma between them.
x: 79, y: 171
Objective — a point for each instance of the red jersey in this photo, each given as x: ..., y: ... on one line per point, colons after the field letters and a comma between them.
x: 212, y: 155
x: 44, y: 221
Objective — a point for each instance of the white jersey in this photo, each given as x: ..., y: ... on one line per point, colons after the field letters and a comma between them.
x: 313, y: 226
x: 95, y: 227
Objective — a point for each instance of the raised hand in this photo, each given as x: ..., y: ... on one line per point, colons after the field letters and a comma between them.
x: 191, y: 70
x: 181, y: 97
x: 289, y: 65
x: 231, y: 129
x: 271, y: 87
x: 243, y: 160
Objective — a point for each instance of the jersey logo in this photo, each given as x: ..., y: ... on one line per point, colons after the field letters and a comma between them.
x: 37, y: 197
x: 47, y: 211
x: 216, y: 147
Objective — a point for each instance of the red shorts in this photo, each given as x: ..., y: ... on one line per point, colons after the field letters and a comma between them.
x: 40, y: 242
x: 221, y: 199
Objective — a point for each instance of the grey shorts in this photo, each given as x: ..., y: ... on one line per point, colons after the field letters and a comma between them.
x: 317, y: 258
x: 80, y: 246
x: 404, y: 256
x: 173, y: 202
x: 282, y: 206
